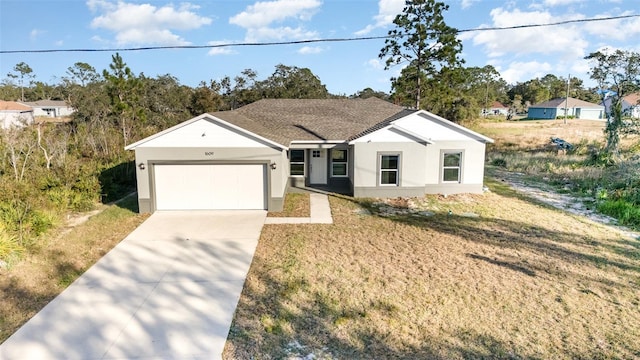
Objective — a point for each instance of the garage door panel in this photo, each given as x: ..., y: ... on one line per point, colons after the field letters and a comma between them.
x: 210, y: 187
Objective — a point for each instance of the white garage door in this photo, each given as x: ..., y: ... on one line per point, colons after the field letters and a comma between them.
x: 210, y: 187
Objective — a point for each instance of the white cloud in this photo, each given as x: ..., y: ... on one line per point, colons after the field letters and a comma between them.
x: 145, y: 23
x: 467, y: 3
x: 387, y: 11
x: 258, y: 19
x: 561, y: 2
x: 375, y: 64
x: 35, y: 33
x: 620, y: 30
x: 565, y: 40
x: 307, y: 50
x: 59, y: 43
x: 523, y: 71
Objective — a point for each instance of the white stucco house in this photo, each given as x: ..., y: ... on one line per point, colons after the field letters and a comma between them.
x: 50, y: 108
x: 14, y: 114
x: 249, y: 158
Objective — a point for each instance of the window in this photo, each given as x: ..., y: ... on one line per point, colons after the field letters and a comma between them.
x: 339, y: 162
x: 451, y: 170
x: 389, y: 169
x: 297, y: 162
x: 315, y: 153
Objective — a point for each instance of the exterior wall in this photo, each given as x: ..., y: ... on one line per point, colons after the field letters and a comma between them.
x: 419, y: 180
x: 52, y: 111
x: 590, y: 114
x: 411, y: 176
x: 149, y: 156
x: 544, y: 113
x: 10, y: 118
x: 472, y: 172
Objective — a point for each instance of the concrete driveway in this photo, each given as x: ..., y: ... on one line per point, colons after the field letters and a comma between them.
x: 167, y: 291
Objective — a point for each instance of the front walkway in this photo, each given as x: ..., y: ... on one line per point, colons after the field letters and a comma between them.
x: 320, y: 213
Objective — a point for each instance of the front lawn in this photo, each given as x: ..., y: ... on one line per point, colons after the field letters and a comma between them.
x: 467, y: 276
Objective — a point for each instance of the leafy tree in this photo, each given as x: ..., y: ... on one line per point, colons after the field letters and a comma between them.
x: 124, y: 89
x: 292, y: 82
x: 21, y: 72
x: 422, y: 39
x: 165, y: 102
x: 369, y: 92
x: 617, y: 73
x: 82, y: 74
x: 206, y: 98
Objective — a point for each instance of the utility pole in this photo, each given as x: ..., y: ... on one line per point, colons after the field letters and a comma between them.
x: 566, y: 100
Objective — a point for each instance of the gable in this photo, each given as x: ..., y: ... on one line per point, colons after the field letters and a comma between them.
x: 203, y: 132
x: 421, y: 126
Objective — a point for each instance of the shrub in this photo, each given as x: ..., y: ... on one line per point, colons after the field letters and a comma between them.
x: 627, y: 213
x: 500, y: 162
x: 10, y: 249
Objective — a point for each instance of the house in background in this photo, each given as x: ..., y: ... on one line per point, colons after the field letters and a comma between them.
x: 630, y: 105
x: 14, y: 114
x: 249, y: 158
x: 576, y: 108
x: 50, y: 108
x: 497, y: 108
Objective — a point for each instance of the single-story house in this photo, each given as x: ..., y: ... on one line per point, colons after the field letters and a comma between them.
x: 496, y: 108
x: 14, y: 114
x: 250, y: 157
x: 50, y: 108
x: 630, y: 105
x: 555, y: 108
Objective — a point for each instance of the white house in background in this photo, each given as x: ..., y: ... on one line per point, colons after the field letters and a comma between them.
x: 555, y: 108
x: 50, y: 108
x: 496, y: 108
x: 14, y: 114
x: 630, y: 105
x: 249, y: 158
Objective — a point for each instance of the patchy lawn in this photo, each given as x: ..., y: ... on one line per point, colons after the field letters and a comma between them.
x: 295, y: 205
x: 59, y: 259
x: 468, y: 276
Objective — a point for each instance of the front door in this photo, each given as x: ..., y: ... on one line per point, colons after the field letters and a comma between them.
x: 318, y: 167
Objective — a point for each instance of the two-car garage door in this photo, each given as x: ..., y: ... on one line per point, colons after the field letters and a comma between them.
x: 209, y: 186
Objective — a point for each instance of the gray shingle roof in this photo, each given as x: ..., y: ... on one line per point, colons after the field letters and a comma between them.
x: 572, y: 103
x: 287, y: 120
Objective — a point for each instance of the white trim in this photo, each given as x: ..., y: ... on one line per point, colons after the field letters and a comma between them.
x: 304, y: 163
x: 346, y: 163
x: 397, y: 169
x: 410, y: 133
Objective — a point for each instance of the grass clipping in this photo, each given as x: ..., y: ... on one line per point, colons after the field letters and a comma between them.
x: 467, y: 276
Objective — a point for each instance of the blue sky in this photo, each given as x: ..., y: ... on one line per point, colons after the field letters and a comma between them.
x: 344, y: 67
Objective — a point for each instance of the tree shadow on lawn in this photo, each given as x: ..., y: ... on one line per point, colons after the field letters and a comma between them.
x: 314, y: 331
x: 520, y: 235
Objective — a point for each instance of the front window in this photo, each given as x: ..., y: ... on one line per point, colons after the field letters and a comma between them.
x: 389, y: 169
x: 297, y: 162
x: 339, y: 163
x: 451, y: 166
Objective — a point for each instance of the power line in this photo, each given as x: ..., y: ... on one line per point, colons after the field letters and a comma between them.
x: 295, y: 42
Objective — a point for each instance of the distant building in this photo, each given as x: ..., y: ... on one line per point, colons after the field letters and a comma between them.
x: 630, y: 105
x: 14, y: 114
x: 576, y: 108
x: 50, y: 108
x: 497, y: 108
